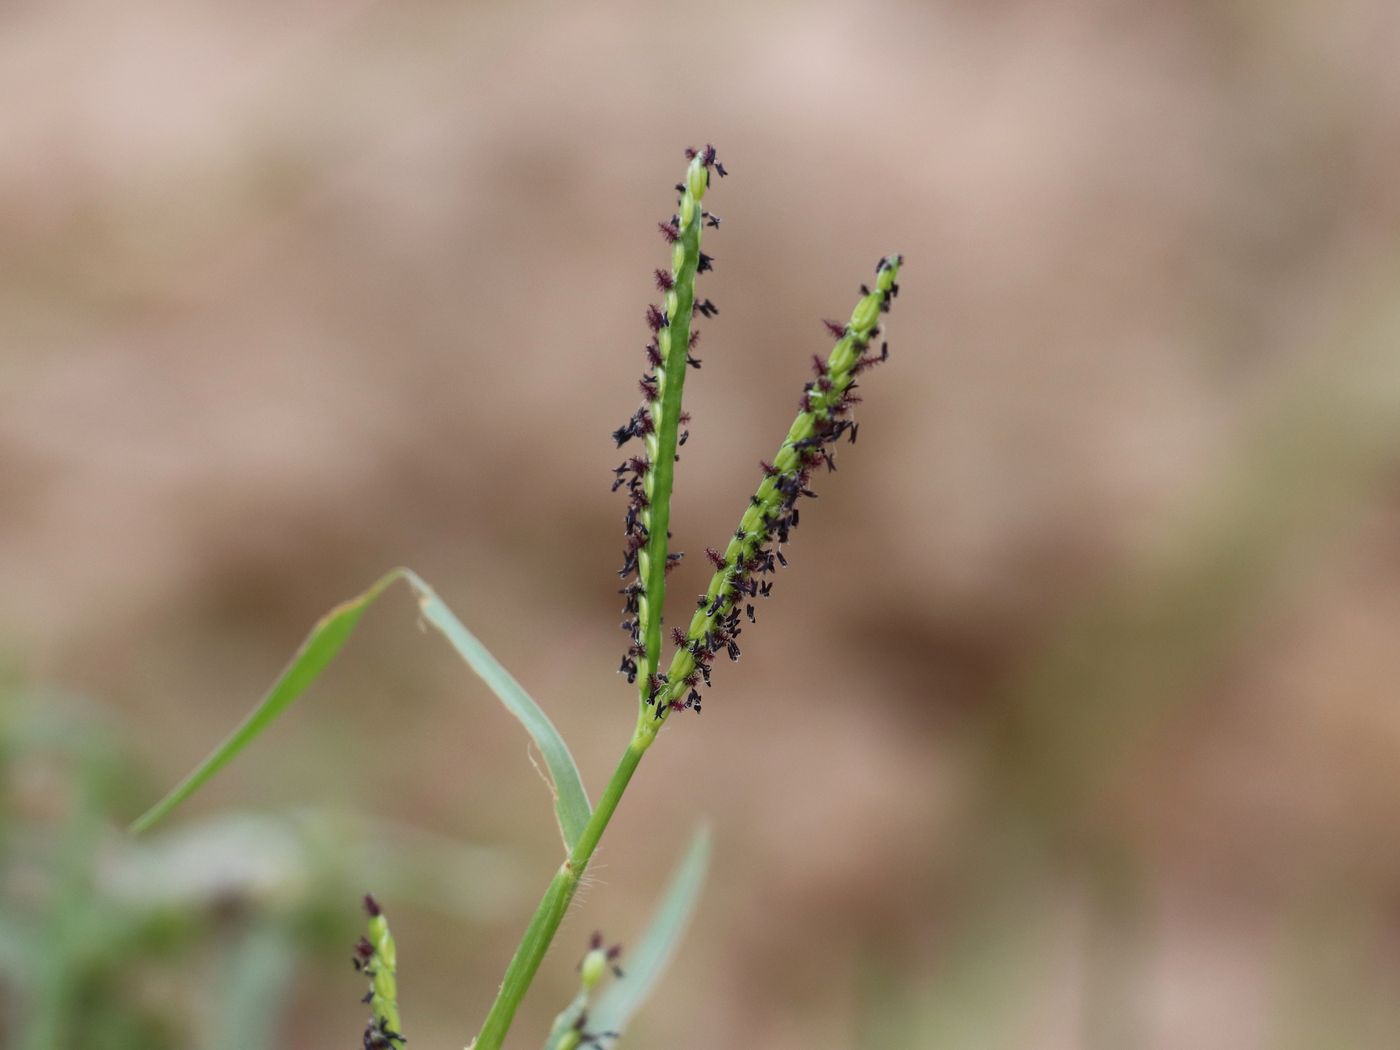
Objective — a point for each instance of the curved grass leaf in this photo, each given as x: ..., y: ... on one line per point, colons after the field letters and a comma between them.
x: 326, y: 640
x: 647, y: 959
x: 320, y: 647
x: 571, y: 804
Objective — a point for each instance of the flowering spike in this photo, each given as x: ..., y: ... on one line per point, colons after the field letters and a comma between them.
x: 571, y: 1030
x: 756, y: 547
x: 659, y: 423
x: 377, y: 958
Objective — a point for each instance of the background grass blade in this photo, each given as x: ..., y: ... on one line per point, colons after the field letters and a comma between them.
x: 647, y: 959
x: 320, y: 647
x: 256, y: 978
x: 570, y: 800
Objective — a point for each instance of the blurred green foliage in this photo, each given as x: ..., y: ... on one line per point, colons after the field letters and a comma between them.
x: 194, y: 938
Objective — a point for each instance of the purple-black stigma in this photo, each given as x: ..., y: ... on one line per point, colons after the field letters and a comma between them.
x: 637, y: 475
x: 744, y: 569
x: 379, y: 1036
x: 364, y: 954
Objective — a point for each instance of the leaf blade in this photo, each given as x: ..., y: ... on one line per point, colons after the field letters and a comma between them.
x: 326, y: 638
x: 571, y: 805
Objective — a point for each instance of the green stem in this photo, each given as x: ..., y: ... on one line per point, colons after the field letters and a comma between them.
x: 555, y: 903
x: 673, y: 345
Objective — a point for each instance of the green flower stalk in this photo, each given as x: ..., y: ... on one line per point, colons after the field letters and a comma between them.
x: 772, y: 514
x: 377, y: 958
x: 648, y: 479
x: 658, y: 423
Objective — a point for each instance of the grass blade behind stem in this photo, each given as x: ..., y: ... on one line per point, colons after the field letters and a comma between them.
x: 647, y: 959
x: 326, y: 640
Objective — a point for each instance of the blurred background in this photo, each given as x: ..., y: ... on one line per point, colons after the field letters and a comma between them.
x: 1073, y: 723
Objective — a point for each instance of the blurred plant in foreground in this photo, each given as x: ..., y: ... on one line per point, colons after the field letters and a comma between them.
x: 191, y: 940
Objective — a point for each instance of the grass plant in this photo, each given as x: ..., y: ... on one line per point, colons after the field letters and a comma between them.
x: 743, y: 575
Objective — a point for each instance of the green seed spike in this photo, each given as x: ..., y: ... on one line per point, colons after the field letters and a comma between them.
x: 673, y: 341
x: 377, y: 958
x: 570, y: 1031
x: 821, y: 419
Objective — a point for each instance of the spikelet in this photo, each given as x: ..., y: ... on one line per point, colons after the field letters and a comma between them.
x: 571, y: 1030
x: 377, y: 958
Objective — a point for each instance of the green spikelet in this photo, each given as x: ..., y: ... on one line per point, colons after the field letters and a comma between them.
x: 377, y: 958
x: 570, y: 1030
